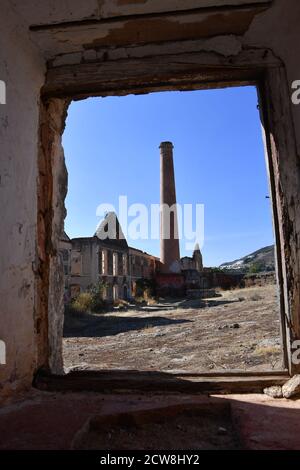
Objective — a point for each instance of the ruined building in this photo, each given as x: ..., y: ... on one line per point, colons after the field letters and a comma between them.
x: 106, y: 259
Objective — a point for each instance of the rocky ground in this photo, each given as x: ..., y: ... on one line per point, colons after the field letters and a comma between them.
x: 239, y: 329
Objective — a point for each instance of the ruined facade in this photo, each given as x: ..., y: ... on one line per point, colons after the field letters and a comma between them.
x: 95, y: 263
x: 116, y: 267
x: 194, y: 262
x: 192, y: 269
x: 105, y: 260
x: 52, y: 52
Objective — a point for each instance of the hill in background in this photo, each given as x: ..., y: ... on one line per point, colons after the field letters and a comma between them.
x: 259, y: 261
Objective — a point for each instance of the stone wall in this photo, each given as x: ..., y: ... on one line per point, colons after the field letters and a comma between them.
x: 260, y: 279
x: 221, y: 279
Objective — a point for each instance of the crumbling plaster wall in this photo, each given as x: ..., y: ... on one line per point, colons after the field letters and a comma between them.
x: 278, y: 30
x: 23, y: 71
x: 51, y: 190
x: 275, y: 28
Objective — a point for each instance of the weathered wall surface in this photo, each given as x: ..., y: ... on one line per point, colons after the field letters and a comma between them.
x: 274, y: 26
x: 278, y: 30
x: 23, y: 71
x: 51, y: 191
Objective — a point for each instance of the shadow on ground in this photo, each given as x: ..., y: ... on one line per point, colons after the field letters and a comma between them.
x: 87, y: 325
x: 217, y: 303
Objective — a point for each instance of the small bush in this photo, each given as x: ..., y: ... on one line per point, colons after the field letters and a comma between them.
x: 90, y: 301
x: 145, y: 289
x: 151, y: 300
x: 97, y: 302
x: 265, y: 350
x: 83, y: 302
x: 255, y: 268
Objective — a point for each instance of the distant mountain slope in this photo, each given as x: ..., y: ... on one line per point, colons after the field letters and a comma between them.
x: 258, y: 261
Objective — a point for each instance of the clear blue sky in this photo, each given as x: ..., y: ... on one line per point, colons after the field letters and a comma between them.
x: 111, y: 149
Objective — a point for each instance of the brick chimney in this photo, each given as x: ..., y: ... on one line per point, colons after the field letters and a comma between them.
x: 169, y: 242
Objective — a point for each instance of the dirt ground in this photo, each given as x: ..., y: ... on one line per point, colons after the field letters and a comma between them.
x: 239, y: 329
x: 188, y: 430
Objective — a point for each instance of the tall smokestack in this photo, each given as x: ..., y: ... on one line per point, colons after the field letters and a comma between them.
x: 169, y: 242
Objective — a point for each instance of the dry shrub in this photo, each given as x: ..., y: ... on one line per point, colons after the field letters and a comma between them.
x: 88, y: 302
x: 83, y: 302
x: 265, y: 350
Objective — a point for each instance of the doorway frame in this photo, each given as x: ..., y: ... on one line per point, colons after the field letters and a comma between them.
x: 190, y: 71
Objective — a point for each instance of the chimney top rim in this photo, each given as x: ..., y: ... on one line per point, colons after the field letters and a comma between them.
x: 166, y: 144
